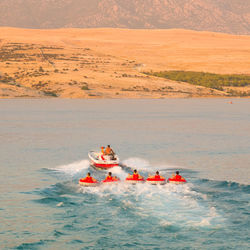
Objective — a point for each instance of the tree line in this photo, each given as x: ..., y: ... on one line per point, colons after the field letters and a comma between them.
x: 209, y: 80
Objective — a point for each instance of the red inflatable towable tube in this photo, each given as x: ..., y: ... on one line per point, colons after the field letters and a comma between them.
x: 134, y: 180
x: 155, y: 181
x: 177, y: 181
x: 88, y: 183
x: 110, y: 181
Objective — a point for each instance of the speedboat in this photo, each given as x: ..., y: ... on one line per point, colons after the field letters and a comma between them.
x: 101, y: 161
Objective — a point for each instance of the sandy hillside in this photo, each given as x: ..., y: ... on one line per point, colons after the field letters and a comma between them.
x: 109, y: 63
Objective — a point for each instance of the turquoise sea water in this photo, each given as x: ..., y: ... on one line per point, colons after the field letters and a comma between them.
x: 43, y: 153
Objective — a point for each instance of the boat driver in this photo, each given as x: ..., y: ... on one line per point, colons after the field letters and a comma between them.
x: 109, y: 151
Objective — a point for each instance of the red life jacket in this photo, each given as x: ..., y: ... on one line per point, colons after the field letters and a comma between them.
x: 157, y: 177
x: 135, y: 176
x: 109, y: 178
x: 178, y: 177
x: 89, y: 178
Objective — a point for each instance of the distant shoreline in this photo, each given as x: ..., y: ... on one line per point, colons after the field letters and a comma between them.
x: 124, y: 98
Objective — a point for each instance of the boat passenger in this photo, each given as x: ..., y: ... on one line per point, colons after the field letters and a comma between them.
x: 110, y: 177
x: 89, y: 178
x: 156, y: 176
x: 135, y: 175
x: 177, y: 176
x: 103, y: 150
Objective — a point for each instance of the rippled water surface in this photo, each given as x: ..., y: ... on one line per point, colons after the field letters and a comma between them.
x: 43, y: 153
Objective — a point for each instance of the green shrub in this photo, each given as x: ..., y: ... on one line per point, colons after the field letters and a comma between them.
x: 85, y: 87
x: 209, y: 80
x: 41, y: 69
x: 50, y: 93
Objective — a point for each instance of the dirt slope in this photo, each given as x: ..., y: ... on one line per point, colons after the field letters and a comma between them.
x: 109, y: 63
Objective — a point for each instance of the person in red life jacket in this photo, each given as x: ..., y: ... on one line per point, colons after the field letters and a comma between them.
x: 109, y: 151
x: 135, y: 175
x: 89, y: 178
x: 177, y: 176
x: 157, y: 176
x: 110, y: 177
x: 103, y: 150
x: 102, y: 153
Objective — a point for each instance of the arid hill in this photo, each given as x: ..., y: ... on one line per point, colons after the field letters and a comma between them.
x: 212, y: 15
x: 110, y: 63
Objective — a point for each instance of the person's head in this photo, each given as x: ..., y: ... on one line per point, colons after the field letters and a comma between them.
x: 157, y: 172
x: 177, y: 172
x: 110, y: 173
x: 135, y: 171
x: 88, y: 174
x: 108, y: 146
